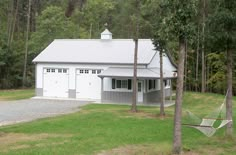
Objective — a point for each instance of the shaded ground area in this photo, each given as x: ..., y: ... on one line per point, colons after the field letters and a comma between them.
x: 26, y: 110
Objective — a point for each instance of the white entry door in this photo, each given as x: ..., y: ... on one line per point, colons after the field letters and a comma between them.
x: 55, y: 82
x: 140, y: 91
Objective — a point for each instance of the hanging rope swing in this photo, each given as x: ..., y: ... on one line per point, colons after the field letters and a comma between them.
x: 211, y: 123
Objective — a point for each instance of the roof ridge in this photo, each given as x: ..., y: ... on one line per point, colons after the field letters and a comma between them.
x: 98, y: 39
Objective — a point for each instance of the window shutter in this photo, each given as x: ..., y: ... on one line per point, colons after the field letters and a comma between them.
x: 129, y: 84
x: 113, y: 84
x: 149, y: 84
x: 154, y: 84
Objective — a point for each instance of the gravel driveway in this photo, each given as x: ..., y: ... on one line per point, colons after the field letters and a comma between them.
x: 27, y: 110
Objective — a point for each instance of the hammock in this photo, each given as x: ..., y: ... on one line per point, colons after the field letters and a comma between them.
x: 209, y: 124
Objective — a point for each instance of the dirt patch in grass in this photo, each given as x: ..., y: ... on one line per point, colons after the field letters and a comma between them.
x: 14, y: 141
x: 204, y: 150
x: 11, y: 138
x: 23, y: 146
x: 158, y: 149
x: 124, y: 113
x: 144, y: 114
x: 139, y: 114
x: 4, y: 98
x: 149, y: 149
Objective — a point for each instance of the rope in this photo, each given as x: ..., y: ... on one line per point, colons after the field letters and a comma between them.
x: 206, y: 124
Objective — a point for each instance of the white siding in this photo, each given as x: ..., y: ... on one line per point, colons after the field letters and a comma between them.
x: 72, y: 73
x: 39, y: 76
x: 71, y: 77
x: 107, y: 84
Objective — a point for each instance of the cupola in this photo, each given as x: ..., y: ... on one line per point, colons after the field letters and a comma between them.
x: 106, y: 35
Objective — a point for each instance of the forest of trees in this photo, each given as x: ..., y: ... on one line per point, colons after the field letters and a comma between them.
x: 28, y: 26
x: 199, y: 34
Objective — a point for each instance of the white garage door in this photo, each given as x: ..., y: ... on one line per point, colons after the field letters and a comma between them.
x: 55, y: 82
x: 88, y: 84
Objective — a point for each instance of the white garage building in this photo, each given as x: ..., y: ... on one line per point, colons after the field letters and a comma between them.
x: 101, y: 69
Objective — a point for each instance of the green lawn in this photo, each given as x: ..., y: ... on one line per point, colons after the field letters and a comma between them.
x: 112, y: 129
x: 16, y: 94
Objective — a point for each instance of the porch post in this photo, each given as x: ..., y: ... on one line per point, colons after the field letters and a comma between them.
x: 164, y: 93
x: 101, y: 89
x: 170, y: 91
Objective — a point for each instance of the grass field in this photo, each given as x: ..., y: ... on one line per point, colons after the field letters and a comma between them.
x: 112, y: 129
x: 16, y: 94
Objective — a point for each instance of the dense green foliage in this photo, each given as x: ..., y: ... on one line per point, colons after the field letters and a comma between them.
x: 98, y: 128
x: 48, y: 22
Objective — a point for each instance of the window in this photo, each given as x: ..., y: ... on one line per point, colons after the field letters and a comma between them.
x: 122, y: 84
x: 59, y: 70
x: 48, y: 70
x: 118, y: 83
x: 99, y: 71
x: 64, y: 70
x: 166, y: 83
x: 151, y: 84
x: 86, y: 71
x: 139, y: 87
x: 93, y: 71
x: 53, y: 70
x: 81, y: 71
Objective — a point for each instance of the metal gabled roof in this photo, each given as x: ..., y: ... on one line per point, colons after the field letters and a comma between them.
x: 114, y: 51
x: 152, y: 73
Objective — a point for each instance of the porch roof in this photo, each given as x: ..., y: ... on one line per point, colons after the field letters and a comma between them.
x: 145, y: 73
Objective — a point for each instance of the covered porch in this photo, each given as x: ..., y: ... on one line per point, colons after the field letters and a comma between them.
x: 116, y: 85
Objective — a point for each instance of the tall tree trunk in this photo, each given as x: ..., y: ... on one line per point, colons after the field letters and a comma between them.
x: 10, y: 22
x: 14, y: 21
x: 177, y: 142
x: 203, y: 47
x: 71, y: 4
x: 162, y: 110
x: 229, y: 127
x: 134, y: 99
x: 211, y: 83
x: 197, y: 59
x: 186, y: 68
x: 26, y: 44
